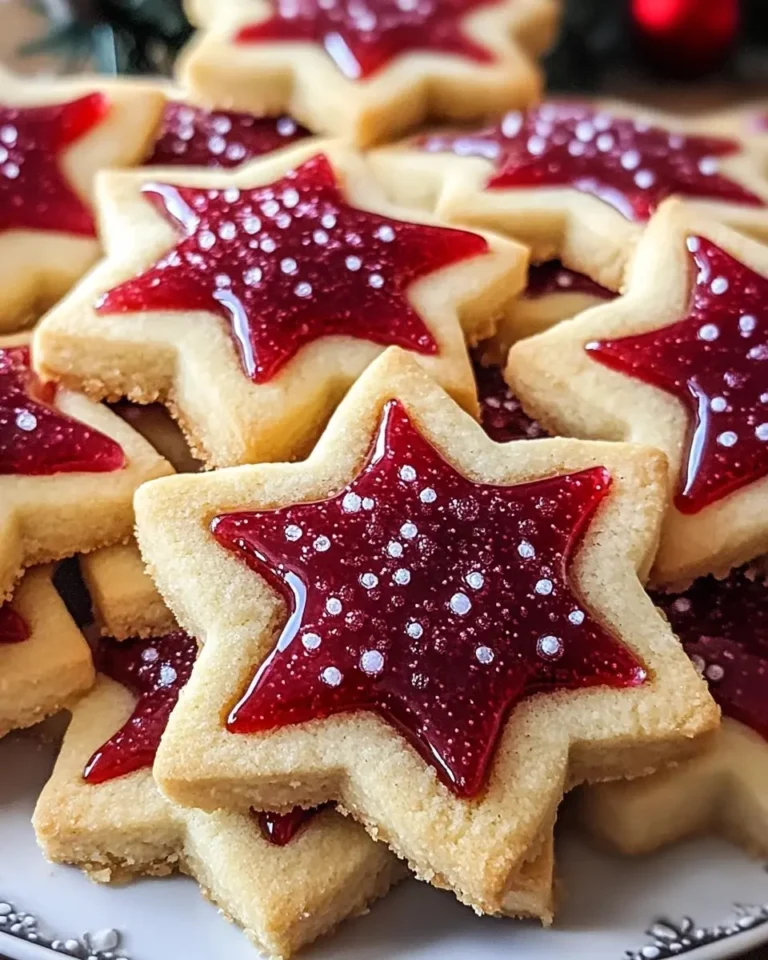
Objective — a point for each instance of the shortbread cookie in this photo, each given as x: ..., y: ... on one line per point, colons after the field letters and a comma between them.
x: 248, y: 302
x: 749, y: 121
x: 384, y: 579
x: 368, y: 73
x: 125, y: 600
x: 553, y: 293
x: 724, y: 628
x: 193, y: 136
x: 577, y: 181
x: 285, y: 880
x: 44, y: 659
x: 677, y: 363
x: 54, y: 137
x: 68, y: 470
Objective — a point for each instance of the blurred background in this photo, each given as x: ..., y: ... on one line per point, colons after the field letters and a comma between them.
x: 680, y: 54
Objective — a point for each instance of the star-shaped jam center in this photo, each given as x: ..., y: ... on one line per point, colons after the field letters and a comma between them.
x: 435, y: 601
x: 217, y: 139
x: 290, y: 262
x: 363, y: 36
x: 501, y: 413
x: 13, y: 627
x: 36, y: 439
x: 627, y: 163
x: 154, y: 670
x: 34, y: 192
x: 723, y: 625
x: 715, y: 361
x: 552, y: 277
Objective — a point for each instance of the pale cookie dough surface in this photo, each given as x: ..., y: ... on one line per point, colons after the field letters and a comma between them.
x: 724, y: 790
x: 189, y: 360
x: 37, y: 267
x: 572, y: 394
x: 586, y: 233
x: 302, y: 79
x: 45, y: 518
x: 549, y: 744
x: 44, y: 673
x: 283, y: 897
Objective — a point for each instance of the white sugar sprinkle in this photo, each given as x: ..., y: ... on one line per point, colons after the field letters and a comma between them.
x: 333, y: 605
x: 331, y: 676
x: 371, y: 662
x: 475, y: 579
x: 369, y: 580
x: 718, y: 404
x: 353, y: 263
x: 351, y: 503
x: 727, y: 439
x: 26, y: 420
x: 747, y: 324
x: 761, y: 431
x: 526, y: 550
x: 288, y: 265
x: 303, y: 290
x: 402, y: 576
x: 428, y: 495
x: 394, y: 549
x: 385, y: 233
x: 576, y: 617
x: 252, y: 276
x: 409, y: 530
x: 322, y: 544
x: 549, y: 646
x: 543, y: 587
x: 709, y: 331
x: 376, y: 281
x: 407, y: 473
x: 231, y: 194
x: 414, y: 630
x: 460, y: 604
x: 714, y: 672
x: 167, y: 675
x: 310, y: 641
x: 292, y: 532
x: 484, y: 654
x: 149, y: 654
x: 719, y: 285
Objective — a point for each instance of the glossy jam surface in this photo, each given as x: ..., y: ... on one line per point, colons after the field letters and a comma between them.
x: 154, y: 670
x: 628, y: 164
x: 13, y: 627
x: 363, y: 36
x: 36, y: 439
x: 290, y: 262
x: 435, y: 601
x: 501, y: 413
x: 545, y: 279
x: 715, y: 361
x: 723, y: 625
x: 34, y: 192
x: 193, y: 137
x: 281, y: 828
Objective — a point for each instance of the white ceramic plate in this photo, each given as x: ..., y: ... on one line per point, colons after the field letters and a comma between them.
x: 702, y: 900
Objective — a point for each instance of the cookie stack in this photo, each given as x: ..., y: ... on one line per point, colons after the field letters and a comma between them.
x: 460, y: 401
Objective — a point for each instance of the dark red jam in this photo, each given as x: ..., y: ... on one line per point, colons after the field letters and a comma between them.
x: 501, y: 413
x: 291, y: 262
x: 281, y: 828
x: 627, y: 163
x: 435, y: 601
x: 154, y: 670
x: 218, y: 139
x: 36, y: 439
x: 34, y: 192
x: 13, y: 627
x: 715, y: 361
x: 723, y: 625
x: 364, y: 36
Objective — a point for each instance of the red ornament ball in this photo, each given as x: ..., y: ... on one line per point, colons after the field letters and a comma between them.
x: 686, y: 38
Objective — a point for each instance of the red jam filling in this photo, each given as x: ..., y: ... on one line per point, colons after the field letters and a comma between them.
x: 715, y: 361
x: 34, y: 191
x: 723, y: 625
x: 193, y: 137
x: 501, y: 413
x: 281, y: 828
x: 155, y: 670
x: 291, y: 262
x: 545, y: 279
x: 13, y: 627
x: 627, y: 163
x: 363, y: 37
x: 36, y: 439
x: 437, y: 602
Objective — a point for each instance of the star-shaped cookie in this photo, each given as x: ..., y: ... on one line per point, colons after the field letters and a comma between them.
x: 723, y: 625
x: 387, y: 571
x: 678, y: 362
x: 45, y: 661
x: 68, y: 469
x: 372, y: 70
x: 286, y: 882
x: 552, y: 293
x: 577, y: 181
x: 55, y: 135
x: 248, y: 302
